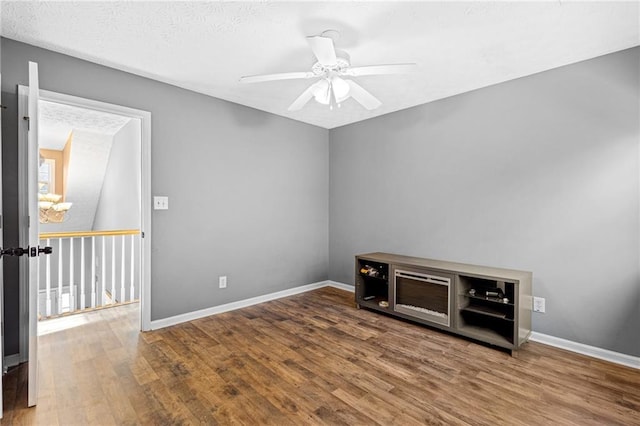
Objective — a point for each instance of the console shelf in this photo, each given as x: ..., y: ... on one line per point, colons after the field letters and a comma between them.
x: 375, y: 304
x: 492, y: 305
x: 379, y: 279
x: 482, y: 310
x: 488, y: 299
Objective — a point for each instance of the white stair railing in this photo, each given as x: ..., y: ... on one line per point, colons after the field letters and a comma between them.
x: 60, y: 258
x: 48, y: 280
x: 112, y: 298
x: 72, y: 283
x: 78, y: 276
x: 93, y: 271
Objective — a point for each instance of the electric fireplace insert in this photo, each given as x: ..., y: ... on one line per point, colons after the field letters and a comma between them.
x: 423, y: 295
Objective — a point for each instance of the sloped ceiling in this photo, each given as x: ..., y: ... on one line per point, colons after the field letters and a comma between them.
x: 89, y: 158
x: 207, y: 46
x: 93, y: 133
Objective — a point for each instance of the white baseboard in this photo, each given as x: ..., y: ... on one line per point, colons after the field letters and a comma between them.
x: 11, y: 360
x: 341, y: 286
x: 592, y: 351
x: 189, y: 316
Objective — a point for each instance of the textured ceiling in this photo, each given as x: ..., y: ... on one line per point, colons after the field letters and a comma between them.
x: 207, y: 46
x: 58, y: 120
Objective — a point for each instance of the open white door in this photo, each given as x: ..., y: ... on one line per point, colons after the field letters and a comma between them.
x: 34, y: 230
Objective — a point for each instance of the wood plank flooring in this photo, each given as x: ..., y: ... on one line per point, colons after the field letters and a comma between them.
x: 309, y: 359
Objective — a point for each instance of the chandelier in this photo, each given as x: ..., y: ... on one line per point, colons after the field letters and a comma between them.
x: 51, y: 209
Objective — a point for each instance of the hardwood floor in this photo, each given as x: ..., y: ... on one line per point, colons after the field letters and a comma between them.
x: 309, y: 359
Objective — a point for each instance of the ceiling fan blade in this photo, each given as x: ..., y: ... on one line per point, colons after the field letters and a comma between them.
x: 365, y: 98
x: 304, y: 97
x: 279, y: 76
x: 380, y: 69
x: 323, y: 49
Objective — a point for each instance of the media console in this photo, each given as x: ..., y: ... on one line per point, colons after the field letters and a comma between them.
x: 492, y: 305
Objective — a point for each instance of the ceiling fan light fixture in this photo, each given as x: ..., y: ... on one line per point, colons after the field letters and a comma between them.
x: 340, y: 89
x: 322, y: 92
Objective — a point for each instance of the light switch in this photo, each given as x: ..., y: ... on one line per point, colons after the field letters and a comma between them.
x: 161, y: 203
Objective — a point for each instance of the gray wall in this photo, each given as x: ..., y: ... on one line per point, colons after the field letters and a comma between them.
x: 119, y: 204
x: 248, y: 191
x: 540, y: 173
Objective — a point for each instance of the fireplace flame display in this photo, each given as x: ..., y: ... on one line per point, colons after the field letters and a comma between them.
x: 423, y: 296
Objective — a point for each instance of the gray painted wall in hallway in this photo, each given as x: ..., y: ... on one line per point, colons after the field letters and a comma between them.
x: 248, y: 190
x: 540, y: 173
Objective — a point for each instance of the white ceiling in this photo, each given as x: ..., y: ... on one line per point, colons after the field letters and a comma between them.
x: 58, y: 120
x: 207, y: 46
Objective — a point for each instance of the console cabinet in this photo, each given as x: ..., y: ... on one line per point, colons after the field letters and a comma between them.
x: 491, y: 305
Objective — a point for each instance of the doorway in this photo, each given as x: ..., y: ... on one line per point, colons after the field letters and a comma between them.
x: 143, y: 118
x: 89, y: 209
x: 92, y: 121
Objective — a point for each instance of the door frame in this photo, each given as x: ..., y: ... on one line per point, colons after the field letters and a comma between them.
x: 145, y: 198
x: 2, y: 361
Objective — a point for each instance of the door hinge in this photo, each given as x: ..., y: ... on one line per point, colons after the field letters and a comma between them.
x: 28, y: 122
x: 142, y: 233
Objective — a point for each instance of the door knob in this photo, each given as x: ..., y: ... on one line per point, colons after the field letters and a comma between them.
x: 13, y: 251
x: 35, y: 251
x: 45, y: 250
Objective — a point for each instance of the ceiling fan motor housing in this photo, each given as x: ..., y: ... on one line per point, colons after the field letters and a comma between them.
x: 343, y: 61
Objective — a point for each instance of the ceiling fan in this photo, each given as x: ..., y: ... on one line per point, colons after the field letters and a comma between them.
x: 334, y: 73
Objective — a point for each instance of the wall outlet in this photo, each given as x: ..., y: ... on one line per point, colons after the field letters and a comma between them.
x: 222, y: 282
x: 539, y: 304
